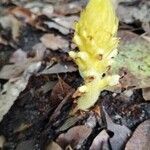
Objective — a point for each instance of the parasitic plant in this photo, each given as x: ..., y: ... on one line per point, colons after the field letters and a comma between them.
x: 95, y: 36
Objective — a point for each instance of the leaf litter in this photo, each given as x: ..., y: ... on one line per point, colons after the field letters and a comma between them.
x: 36, y: 102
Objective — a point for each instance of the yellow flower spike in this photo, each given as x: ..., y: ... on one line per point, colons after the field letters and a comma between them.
x: 95, y: 36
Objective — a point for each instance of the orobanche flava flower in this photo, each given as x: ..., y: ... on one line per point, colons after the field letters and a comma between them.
x: 95, y: 36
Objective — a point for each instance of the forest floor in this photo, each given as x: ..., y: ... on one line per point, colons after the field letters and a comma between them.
x: 38, y: 79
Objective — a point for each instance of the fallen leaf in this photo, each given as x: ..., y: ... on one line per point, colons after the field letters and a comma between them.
x: 47, y: 87
x: 91, y: 121
x: 53, y: 146
x: 68, y: 9
x: 39, y: 51
x: 59, y: 68
x: 146, y: 93
x: 69, y: 123
x: 22, y: 62
x: 12, y: 71
x: 19, y: 56
x: 57, y: 111
x: 137, y: 11
x: 133, y: 62
x: 67, y: 22
x: 121, y: 133
x: 74, y: 136
x: 101, y: 141
x: 140, y: 138
x: 59, y: 92
x: 24, y: 14
x: 54, y: 25
x: 40, y: 8
x: 55, y: 42
x: 12, y: 90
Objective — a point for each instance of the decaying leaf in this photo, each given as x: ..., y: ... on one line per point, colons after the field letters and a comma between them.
x: 133, y: 61
x: 12, y: 71
x: 69, y: 8
x: 19, y: 56
x: 54, y: 25
x: 69, y: 123
x: 146, y: 93
x: 101, y: 141
x: 121, y: 133
x: 59, y: 68
x: 59, y: 92
x: 12, y: 89
x: 21, y: 62
x: 74, y: 136
x: 53, y: 146
x: 67, y: 22
x: 55, y: 42
x: 140, y: 138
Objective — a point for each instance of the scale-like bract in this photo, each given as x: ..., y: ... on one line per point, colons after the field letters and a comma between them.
x: 95, y: 36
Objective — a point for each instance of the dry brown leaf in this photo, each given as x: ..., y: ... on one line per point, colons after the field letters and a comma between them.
x: 54, y: 42
x: 59, y: 92
x: 24, y: 14
x: 74, y: 136
x: 140, y: 139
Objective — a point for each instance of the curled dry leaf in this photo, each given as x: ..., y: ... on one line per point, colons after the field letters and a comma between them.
x: 54, y: 42
x: 12, y: 90
x: 140, y: 139
x: 74, y: 136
